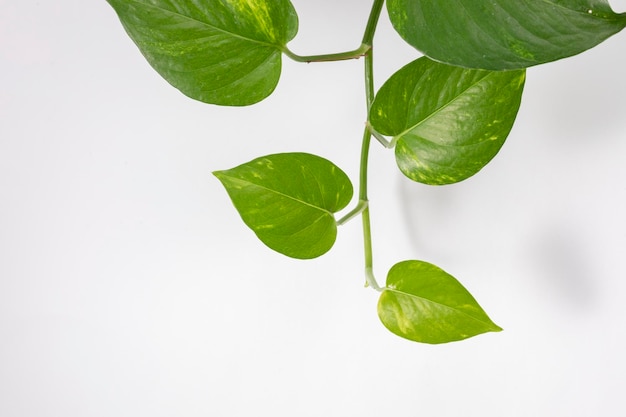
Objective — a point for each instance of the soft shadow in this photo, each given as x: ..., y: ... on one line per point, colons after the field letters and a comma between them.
x: 578, y: 99
x: 558, y: 257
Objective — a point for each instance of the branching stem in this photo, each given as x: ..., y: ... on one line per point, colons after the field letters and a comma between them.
x: 362, y: 205
x: 361, y: 51
x: 368, y: 39
x: 362, y: 208
x: 380, y: 138
x: 340, y: 56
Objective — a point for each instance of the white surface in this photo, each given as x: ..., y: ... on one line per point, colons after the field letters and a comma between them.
x: 130, y: 287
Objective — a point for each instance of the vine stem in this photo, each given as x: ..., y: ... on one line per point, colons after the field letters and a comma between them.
x: 362, y: 208
x: 340, y: 56
x: 368, y: 39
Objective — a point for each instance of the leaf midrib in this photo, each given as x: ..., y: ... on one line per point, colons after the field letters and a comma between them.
x: 440, y: 109
x: 489, y: 323
x: 240, y: 180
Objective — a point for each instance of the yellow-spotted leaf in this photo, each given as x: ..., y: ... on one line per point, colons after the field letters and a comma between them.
x: 289, y: 201
x: 225, y: 52
x: 447, y: 122
x: 503, y: 34
x: 425, y: 304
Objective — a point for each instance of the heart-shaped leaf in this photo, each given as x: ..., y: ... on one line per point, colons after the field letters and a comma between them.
x: 289, y: 200
x: 225, y: 52
x: 423, y: 303
x: 448, y: 122
x: 503, y: 34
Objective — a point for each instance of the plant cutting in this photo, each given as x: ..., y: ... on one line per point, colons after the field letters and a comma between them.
x: 445, y: 115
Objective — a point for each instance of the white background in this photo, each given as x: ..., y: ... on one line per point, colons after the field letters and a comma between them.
x: 130, y: 287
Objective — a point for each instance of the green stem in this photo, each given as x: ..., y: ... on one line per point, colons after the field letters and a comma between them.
x: 380, y: 138
x: 368, y: 39
x: 370, y: 279
x: 372, y: 22
x: 365, y: 214
x: 357, y: 53
x: 340, y: 56
x: 362, y: 205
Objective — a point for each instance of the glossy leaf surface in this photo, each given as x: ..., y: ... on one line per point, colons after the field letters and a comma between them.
x: 225, y: 52
x: 448, y: 122
x: 503, y: 34
x: 289, y: 201
x: 423, y: 303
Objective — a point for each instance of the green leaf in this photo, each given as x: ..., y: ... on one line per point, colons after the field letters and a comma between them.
x: 425, y: 304
x: 448, y: 122
x: 503, y: 34
x: 289, y: 200
x: 225, y: 52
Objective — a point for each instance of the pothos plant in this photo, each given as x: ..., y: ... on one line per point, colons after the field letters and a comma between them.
x: 446, y: 115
